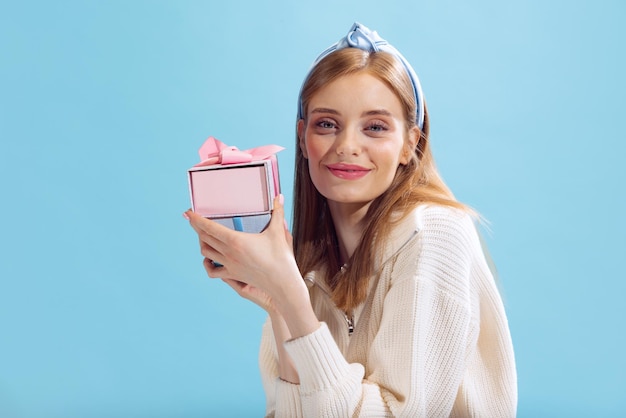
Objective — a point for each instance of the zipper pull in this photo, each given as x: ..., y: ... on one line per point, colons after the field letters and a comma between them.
x: 350, y: 321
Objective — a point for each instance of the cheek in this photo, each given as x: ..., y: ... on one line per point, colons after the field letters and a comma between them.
x: 389, y: 166
x: 315, y: 150
x: 392, y: 155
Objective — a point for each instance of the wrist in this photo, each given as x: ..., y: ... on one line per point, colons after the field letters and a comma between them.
x: 293, y: 305
x: 298, y: 316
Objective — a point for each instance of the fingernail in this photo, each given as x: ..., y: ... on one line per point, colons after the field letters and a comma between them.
x: 281, y: 199
x: 185, y: 215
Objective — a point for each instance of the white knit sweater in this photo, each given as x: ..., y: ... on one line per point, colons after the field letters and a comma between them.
x: 431, y: 340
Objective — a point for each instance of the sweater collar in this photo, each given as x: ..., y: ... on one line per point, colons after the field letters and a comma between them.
x: 402, y: 233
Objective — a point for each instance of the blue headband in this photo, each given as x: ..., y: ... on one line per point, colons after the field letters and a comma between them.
x: 367, y: 40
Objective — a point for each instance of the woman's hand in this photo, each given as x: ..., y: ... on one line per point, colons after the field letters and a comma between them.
x: 264, y: 260
x: 210, y: 231
x: 253, y: 294
x: 256, y: 259
x: 260, y: 267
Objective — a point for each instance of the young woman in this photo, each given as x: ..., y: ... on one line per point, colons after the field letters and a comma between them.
x: 382, y: 304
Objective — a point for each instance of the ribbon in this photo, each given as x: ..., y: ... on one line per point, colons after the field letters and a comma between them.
x: 214, y: 152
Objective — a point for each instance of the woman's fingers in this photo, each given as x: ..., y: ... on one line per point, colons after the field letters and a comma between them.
x: 209, y: 252
x: 278, y: 213
x: 257, y: 258
x: 219, y: 245
x: 236, y: 285
x: 214, y: 271
x: 217, y: 242
x: 209, y: 231
x: 251, y: 293
x: 278, y: 222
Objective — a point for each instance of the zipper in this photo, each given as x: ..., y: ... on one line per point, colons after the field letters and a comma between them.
x: 350, y: 322
x: 350, y: 318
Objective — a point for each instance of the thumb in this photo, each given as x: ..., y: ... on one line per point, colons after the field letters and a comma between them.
x: 278, y: 214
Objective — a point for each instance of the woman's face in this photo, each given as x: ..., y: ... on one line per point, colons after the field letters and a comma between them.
x: 354, y: 138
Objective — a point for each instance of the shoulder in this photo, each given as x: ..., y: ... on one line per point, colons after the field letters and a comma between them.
x: 443, y: 250
x: 447, y: 226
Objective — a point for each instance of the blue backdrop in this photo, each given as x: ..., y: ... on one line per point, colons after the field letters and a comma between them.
x: 105, y: 310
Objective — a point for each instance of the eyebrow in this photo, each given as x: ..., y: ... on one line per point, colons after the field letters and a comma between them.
x: 381, y: 112
x: 324, y: 110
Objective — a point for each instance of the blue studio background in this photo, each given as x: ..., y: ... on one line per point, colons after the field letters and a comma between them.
x: 105, y: 310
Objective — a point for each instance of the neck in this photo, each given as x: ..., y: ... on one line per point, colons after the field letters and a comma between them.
x: 348, y: 222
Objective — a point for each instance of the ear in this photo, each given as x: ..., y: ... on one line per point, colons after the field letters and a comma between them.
x: 300, y: 128
x: 411, y: 143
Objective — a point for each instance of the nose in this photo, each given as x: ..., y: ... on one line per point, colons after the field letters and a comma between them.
x: 347, y: 142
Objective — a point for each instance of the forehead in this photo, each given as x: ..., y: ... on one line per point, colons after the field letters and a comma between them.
x: 360, y: 91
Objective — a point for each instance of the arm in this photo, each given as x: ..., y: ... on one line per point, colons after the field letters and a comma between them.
x: 286, y: 369
x: 261, y: 268
x: 279, y: 390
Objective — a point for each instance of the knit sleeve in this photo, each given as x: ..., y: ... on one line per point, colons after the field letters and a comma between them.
x: 329, y: 385
x: 282, y: 398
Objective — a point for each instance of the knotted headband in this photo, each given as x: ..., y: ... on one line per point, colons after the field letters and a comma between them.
x: 365, y: 39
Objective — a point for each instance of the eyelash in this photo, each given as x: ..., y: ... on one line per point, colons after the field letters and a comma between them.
x: 325, y: 124
x: 375, y: 127
x: 378, y: 127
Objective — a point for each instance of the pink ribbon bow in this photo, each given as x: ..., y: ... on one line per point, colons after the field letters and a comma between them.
x: 214, y: 152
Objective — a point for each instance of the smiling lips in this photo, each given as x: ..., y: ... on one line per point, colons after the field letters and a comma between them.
x: 348, y: 171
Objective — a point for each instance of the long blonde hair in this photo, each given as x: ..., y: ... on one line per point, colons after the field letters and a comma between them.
x: 315, y: 241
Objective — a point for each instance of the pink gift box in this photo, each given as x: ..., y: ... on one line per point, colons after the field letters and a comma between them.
x: 237, y: 195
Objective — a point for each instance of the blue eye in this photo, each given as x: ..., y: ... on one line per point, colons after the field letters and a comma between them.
x: 325, y: 124
x: 377, y: 127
